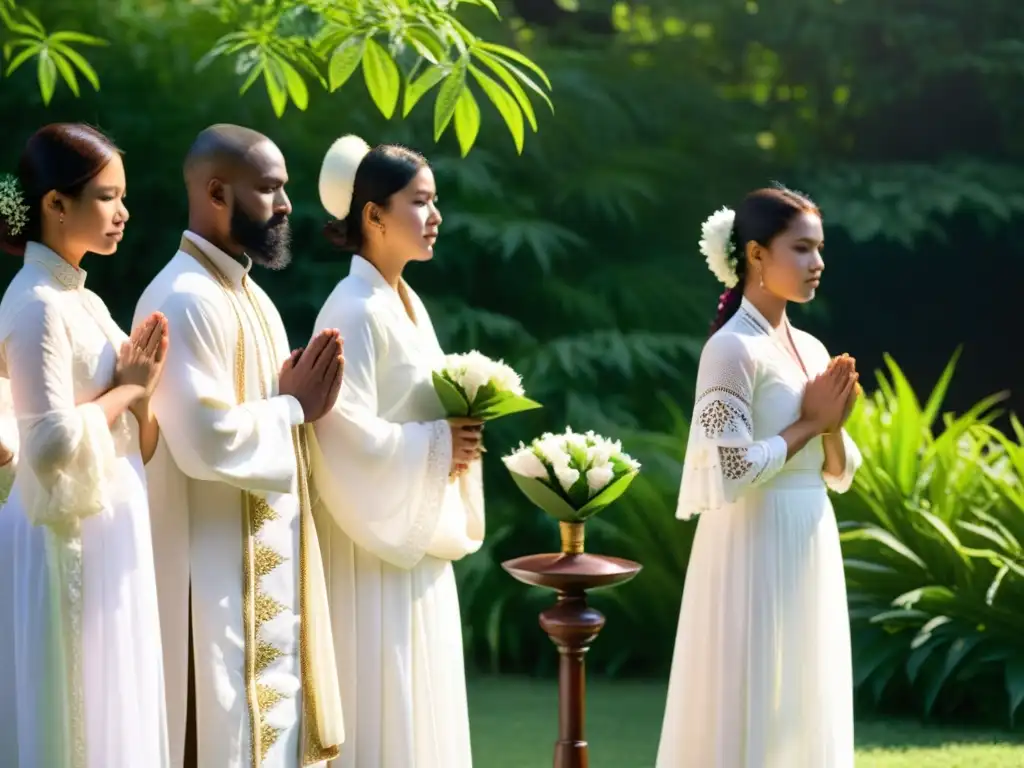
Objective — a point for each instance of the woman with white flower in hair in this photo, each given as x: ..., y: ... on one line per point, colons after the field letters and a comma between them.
x: 399, y: 484
x: 80, y: 648
x: 761, y: 674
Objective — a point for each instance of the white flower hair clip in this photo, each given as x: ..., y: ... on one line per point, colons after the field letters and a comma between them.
x: 717, y: 246
x: 12, y: 207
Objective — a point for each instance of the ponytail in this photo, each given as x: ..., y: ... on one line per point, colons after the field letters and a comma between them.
x: 729, y: 302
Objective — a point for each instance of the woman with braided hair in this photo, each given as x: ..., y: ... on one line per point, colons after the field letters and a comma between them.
x: 761, y: 675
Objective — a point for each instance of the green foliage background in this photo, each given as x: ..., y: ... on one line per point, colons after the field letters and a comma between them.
x: 576, y: 262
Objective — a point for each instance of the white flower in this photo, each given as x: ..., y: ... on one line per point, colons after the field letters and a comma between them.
x: 552, y: 448
x: 472, y: 370
x: 472, y: 380
x: 567, y: 476
x: 717, y: 246
x: 505, y: 379
x: 524, y: 462
x: 630, y: 462
x: 599, y: 477
x: 12, y: 208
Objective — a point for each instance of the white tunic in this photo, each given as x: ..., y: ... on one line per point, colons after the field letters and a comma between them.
x: 761, y: 674
x: 381, y: 467
x: 82, y: 683
x: 226, y: 519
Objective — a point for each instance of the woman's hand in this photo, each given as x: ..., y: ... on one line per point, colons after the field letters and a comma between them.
x: 141, y: 359
x: 828, y: 397
x: 467, y: 445
x: 848, y: 364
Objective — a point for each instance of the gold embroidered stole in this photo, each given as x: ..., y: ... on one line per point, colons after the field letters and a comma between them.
x: 321, y: 727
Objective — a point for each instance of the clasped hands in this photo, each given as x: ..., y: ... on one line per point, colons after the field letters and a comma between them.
x: 313, y: 374
x: 830, y: 396
x: 140, y: 361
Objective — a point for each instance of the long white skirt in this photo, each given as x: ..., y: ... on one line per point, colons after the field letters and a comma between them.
x: 761, y: 673
x: 398, y: 635
x: 122, y: 663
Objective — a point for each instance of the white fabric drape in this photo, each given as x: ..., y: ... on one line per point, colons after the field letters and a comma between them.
x: 392, y: 524
x: 219, y: 445
x: 761, y: 674
x: 78, y: 613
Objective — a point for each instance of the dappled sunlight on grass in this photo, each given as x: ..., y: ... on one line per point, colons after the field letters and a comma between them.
x: 514, y: 723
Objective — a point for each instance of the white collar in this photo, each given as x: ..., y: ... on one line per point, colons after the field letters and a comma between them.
x: 234, y: 271
x: 755, y: 315
x: 72, y: 278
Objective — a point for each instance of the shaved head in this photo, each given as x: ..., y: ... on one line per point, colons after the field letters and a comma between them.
x: 221, y: 150
x: 235, y: 178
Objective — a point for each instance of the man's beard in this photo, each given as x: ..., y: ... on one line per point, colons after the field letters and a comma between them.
x: 267, y: 243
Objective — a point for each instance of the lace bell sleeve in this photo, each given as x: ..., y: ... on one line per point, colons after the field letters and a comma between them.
x: 723, y: 460
x: 66, y: 447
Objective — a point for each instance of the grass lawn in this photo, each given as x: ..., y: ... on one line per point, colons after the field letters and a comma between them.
x: 514, y: 723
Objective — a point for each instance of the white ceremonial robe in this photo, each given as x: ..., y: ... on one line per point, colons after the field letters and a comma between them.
x: 761, y: 674
x: 226, y: 498
x: 82, y: 683
x: 395, y: 524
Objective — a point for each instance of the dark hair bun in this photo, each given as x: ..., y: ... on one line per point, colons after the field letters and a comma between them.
x: 63, y: 157
x: 13, y: 245
x: 336, y: 232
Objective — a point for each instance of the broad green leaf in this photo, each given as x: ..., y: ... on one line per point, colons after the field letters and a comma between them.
x: 611, y: 492
x: 488, y: 4
x: 958, y: 651
x: 47, y: 76
x: 938, y: 395
x: 80, y: 63
x: 541, y: 495
x: 22, y: 57
x: 510, y: 53
x: 885, y: 539
x: 426, y: 44
x: 452, y: 400
x: 1014, y: 673
x: 511, y: 83
x: 76, y: 37
x: 273, y: 78
x: 66, y: 71
x: 448, y: 98
x: 506, y: 105
x: 344, y: 60
x: 32, y: 20
x: 24, y: 29
x: 505, y: 407
x: 254, y: 72
x: 526, y: 80
x: 382, y: 77
x: 415, y: 90
x: 296, y: 86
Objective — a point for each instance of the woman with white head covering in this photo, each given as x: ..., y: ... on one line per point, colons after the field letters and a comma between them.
x: 400, y: 485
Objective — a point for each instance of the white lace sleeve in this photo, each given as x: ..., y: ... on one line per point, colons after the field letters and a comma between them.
x: 841, y: 483
x: 722, y: 457
x: 67, y: 448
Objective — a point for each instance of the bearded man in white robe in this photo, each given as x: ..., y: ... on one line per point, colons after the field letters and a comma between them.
x: 247, y: 639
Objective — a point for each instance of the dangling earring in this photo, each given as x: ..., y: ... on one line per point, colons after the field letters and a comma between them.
x: 62, y: 218
x: 760, y: 277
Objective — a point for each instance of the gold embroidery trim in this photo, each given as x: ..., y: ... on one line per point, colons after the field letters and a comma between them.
x: 257, y: 608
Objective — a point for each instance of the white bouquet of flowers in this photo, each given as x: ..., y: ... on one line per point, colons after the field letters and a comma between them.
x: 572, y: 476
x: 474, y: 386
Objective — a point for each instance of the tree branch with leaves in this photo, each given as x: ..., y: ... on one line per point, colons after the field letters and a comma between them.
x: 405, y: 48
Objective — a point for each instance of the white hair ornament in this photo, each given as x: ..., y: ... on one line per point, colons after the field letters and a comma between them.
x: 338, y: 174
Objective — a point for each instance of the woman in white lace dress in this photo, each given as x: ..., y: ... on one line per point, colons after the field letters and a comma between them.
x: 761, y: 674
x: 400, y: 485
x: 79, y: 630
